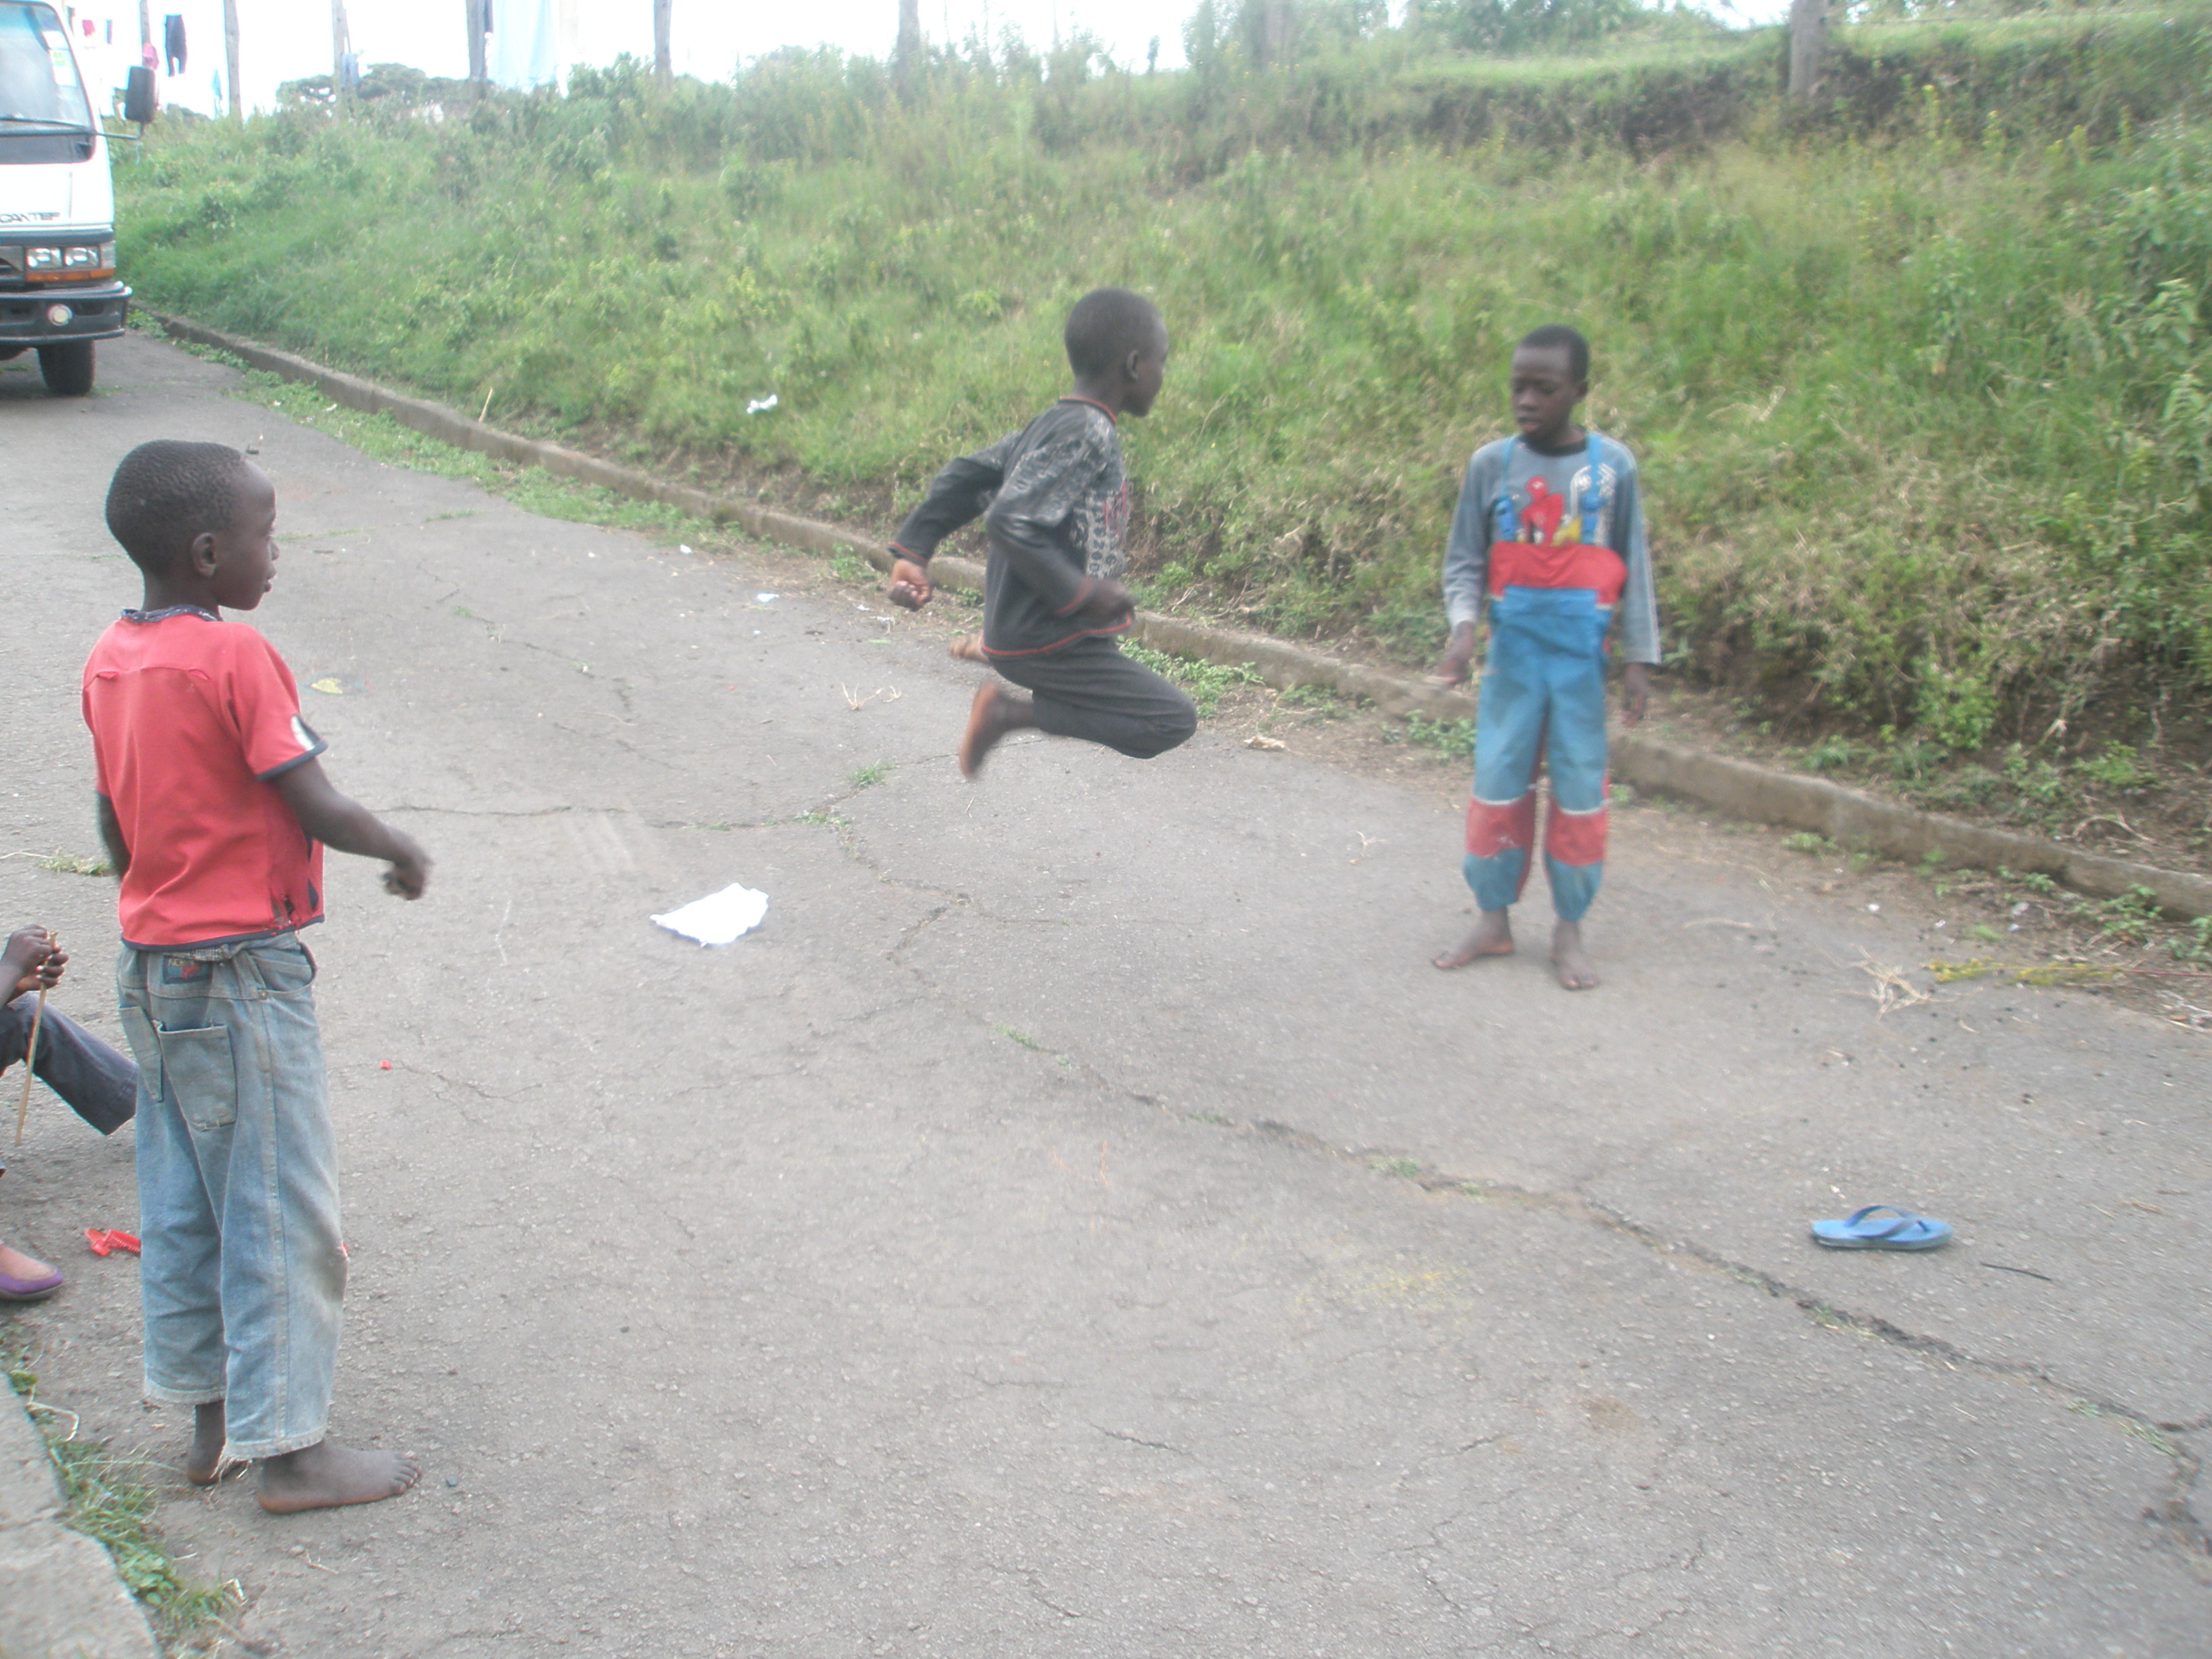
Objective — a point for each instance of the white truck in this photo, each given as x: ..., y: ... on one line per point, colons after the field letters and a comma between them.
x: 58, y: 292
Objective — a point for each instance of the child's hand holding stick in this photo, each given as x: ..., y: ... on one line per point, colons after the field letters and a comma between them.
x: 50, y: 960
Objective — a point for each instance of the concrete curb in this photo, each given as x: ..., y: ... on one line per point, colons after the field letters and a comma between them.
x: 59, y: 1594
x: 1739, y: 788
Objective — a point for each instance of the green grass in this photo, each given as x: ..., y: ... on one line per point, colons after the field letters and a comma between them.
x: 870, y: 774
x: 1922, y: 380
x: 110, y: 1500
x: 1204, y: 681
x: 77, y: 863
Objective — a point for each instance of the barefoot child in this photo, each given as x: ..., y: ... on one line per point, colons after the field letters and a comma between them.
x: 212, y: 804
x: 1550, y: 533
x: 99, y: 1085
x: 1056, y: 501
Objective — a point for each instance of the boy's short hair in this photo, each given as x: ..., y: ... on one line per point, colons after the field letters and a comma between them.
x: 1106, y: 325
x: 168, y: 491
x: 1558, y: 334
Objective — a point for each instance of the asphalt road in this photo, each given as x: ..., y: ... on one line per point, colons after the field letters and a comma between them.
x: 1036, y: 1239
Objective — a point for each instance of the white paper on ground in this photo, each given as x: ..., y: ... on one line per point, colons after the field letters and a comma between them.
x: 720, y: 917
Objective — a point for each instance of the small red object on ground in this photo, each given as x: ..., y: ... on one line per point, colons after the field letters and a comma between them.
x: 383, y: 1065
x: 106, y: 1239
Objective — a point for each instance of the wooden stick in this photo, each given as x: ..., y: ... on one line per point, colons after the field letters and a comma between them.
x: 31, y: 1053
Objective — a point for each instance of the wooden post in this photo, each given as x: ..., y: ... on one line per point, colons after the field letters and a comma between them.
x: 145, y: 28
x: 478, y: 72
x: 341, y: 44
x: 663, y: 70
x: 1275, y: 32
x: 909, y: 34
x: 230, y: 58
x: 1809, y: 40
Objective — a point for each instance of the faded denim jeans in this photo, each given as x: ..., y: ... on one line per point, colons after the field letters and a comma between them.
x: 242, y: 1275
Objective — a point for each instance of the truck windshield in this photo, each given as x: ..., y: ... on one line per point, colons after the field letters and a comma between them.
x: 39, y: 87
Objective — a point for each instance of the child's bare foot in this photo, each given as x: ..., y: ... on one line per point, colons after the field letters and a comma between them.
x: 990, y: 717
x: 29, y: 961
x: 1568, y: 960
x: 324, y: 1477
x: 204, y: 1461
x: 1493, y: 936
x: 969, y: 648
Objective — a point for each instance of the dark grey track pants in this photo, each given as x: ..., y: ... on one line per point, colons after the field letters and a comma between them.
x: 1091, y: 690
x: 99, y: 1084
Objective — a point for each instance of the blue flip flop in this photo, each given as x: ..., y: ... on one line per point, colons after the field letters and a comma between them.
x: 1906, y: 1232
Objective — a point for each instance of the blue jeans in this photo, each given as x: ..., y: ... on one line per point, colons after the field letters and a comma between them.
x: 1542, y: 700
x: 242, y: 1275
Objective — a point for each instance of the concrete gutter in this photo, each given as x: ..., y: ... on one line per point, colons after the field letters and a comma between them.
x: 1739, y: 788
x: 59, y: 1594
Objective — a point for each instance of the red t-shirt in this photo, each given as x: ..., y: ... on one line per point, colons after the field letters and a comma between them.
x: 192, y: 717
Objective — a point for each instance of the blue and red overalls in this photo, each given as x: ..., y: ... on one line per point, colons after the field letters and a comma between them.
x: 1553, y: 588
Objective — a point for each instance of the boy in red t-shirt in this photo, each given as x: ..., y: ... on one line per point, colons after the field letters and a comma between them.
x: 216, y: 810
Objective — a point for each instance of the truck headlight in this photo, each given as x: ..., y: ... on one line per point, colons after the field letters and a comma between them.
x: 80, y: 258
x: 42, y: 258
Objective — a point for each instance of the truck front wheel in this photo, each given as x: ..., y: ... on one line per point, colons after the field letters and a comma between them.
x: 67, y: 368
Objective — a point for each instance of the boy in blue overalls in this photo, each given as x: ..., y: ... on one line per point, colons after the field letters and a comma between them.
x: 1550, y: 531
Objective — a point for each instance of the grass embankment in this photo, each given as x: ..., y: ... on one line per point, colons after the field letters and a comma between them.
x: 1923, y: 380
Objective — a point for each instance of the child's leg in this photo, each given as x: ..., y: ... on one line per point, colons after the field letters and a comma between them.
x: 1501, y: 814
x: 99, y: 1084
x: 180, y: 1264
x: 1091, y: 690
x: 1509, y: 717
x: 1574, y: 755
x: 1575, y: 828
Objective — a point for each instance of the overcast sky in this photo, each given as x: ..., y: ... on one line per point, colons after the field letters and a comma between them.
x: 285, y: 39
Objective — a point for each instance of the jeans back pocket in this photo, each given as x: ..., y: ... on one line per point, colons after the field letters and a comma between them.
x: 199, y: 1075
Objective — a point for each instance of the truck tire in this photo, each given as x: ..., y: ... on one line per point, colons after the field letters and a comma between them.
x: 67, y: 368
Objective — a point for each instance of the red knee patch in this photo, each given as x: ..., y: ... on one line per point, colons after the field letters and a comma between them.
x: 1491, y: 829
x: 1575, y: 837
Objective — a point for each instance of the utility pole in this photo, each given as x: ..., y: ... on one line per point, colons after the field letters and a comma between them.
x: 479, y: 73
x: 1275, y: 32
x: 664, y: 69
x: 340, y: 49
x: 145, y: 31
x: 230, y: 56
x: 1809, y: 40
x: 908, y: 56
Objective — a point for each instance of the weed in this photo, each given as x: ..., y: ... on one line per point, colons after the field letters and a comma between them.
x: 1404, y: 1168
x: 1804, y: 841
x: 2194, y: 943
x: 1983, y: 932
x: 1014, y: 1034
x: 1976, y: 377
x: 1322, y: 699
x: 1450, y: 739
x: 1205, y: 681
x: 110, y: 1502
x: 852, y: 568
x: 2117, y: 769
x: 1831, y: 755
x: 862, y: 777
x: 824, y: 820
x: 77, y: 863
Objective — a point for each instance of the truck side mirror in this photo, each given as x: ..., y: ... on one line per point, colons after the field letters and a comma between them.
x: 139, y: 102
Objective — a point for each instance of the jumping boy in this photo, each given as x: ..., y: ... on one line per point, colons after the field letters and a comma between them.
x: 1056, y: 501
x: 1550, y: 531
x: 214, y: 810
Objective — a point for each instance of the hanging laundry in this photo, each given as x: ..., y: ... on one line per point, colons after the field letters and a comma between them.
x: 172, y: 38
x: 523, y: 53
